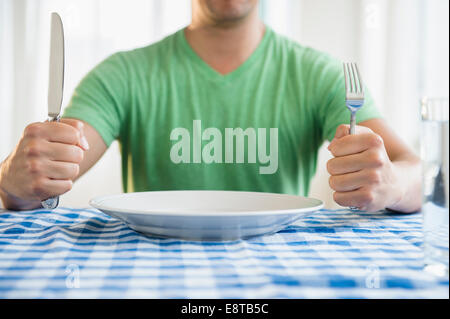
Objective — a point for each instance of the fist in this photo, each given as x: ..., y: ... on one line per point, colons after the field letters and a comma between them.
x: 362, y: 174
x: 45, y: 161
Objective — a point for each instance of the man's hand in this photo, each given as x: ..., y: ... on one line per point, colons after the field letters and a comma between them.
x: 362, y: 174
x: 44, y: 163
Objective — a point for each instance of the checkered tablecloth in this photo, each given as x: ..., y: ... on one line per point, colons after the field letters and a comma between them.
x: 83, y: 253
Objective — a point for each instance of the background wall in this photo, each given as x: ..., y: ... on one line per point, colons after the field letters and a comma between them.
x: 401, y: 47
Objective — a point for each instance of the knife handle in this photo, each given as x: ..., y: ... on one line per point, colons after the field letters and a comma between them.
x: 52, y: 202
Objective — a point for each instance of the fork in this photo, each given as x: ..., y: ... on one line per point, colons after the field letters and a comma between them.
x: 354, y: 97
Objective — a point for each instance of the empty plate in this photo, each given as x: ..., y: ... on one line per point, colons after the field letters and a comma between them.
x: 206, y: 215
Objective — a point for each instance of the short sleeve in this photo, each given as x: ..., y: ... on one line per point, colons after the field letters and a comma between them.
x: 329, y: 94
x: 101, y: 98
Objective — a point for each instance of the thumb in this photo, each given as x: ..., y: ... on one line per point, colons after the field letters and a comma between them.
x: 341, y: 131
x: 344, y: 130
x: 79, y: 125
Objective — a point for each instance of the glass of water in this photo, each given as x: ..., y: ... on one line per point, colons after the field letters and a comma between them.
x: 434, y: 153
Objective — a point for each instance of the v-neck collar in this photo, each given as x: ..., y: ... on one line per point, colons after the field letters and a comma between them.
x: 212, y: 74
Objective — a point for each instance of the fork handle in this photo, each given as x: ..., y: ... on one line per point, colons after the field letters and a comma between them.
x: 352, y: 132
x: 352, y: 123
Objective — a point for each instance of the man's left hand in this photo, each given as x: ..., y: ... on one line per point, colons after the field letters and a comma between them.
x: 362, y: 175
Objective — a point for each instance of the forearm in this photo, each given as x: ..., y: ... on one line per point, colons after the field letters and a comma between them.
x: 409, y: 182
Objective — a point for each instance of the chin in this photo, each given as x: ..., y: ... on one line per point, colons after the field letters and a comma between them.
x: 228, y: 10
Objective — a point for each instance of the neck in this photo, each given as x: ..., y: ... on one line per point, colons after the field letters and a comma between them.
x: 225, y: 46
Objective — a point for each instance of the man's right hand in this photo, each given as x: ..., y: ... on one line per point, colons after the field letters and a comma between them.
x: 44, y: 163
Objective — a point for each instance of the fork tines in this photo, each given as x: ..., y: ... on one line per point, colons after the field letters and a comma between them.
x: 353, y: 83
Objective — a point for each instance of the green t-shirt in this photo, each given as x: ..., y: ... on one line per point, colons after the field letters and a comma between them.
x: 182, y: 125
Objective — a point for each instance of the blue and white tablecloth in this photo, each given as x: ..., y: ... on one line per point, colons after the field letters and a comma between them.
x: 83, y: 253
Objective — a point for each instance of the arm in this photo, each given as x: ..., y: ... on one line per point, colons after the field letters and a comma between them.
x: 95, y: 152
x: 46, y: 161
x: 406, y: 164
x: 374, y: 169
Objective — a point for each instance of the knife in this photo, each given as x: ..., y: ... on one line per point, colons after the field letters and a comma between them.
x: 55, y: 82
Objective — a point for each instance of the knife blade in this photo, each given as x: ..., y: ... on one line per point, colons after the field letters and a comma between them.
x: 56, y: 68
x: 55, y: 82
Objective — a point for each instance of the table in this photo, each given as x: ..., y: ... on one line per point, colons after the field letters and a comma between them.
x: 83, y: 253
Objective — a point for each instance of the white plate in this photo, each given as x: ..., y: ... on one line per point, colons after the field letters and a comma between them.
x: 206, y: 215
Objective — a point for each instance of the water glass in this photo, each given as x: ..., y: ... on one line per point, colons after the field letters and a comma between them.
x: 434, y: 153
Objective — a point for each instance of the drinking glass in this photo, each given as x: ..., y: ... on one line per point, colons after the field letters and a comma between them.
x: 434, y: 153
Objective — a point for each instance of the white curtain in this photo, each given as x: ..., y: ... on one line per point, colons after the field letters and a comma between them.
x: 401, y: 46
x: 93, y: 29
x: 6, y: 71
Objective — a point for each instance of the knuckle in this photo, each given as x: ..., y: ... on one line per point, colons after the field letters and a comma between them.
x: 364, y: 129
x: 374, y: 177
x: 332, y: 182
x: 78, y: 154
x: 336, y: 197
x: 68, y: 186
x: 376, y: 140
x: 73, y: 122
x: 330, y: 167
x: 74, y: 170
x: 366, y: 198
x: 34, y: 167
x: 71, y: 134
x: 76, y: 134
x: 38, y: 187
x: 79, y: 125
x: 33, y: 130
x: 334, y: 150
x: 339, y: 199
x: 376, y: 159
x: 33, y: 148
x: 65, y: 187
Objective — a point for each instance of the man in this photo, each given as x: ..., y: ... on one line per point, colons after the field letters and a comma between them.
x: 225, y: 70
